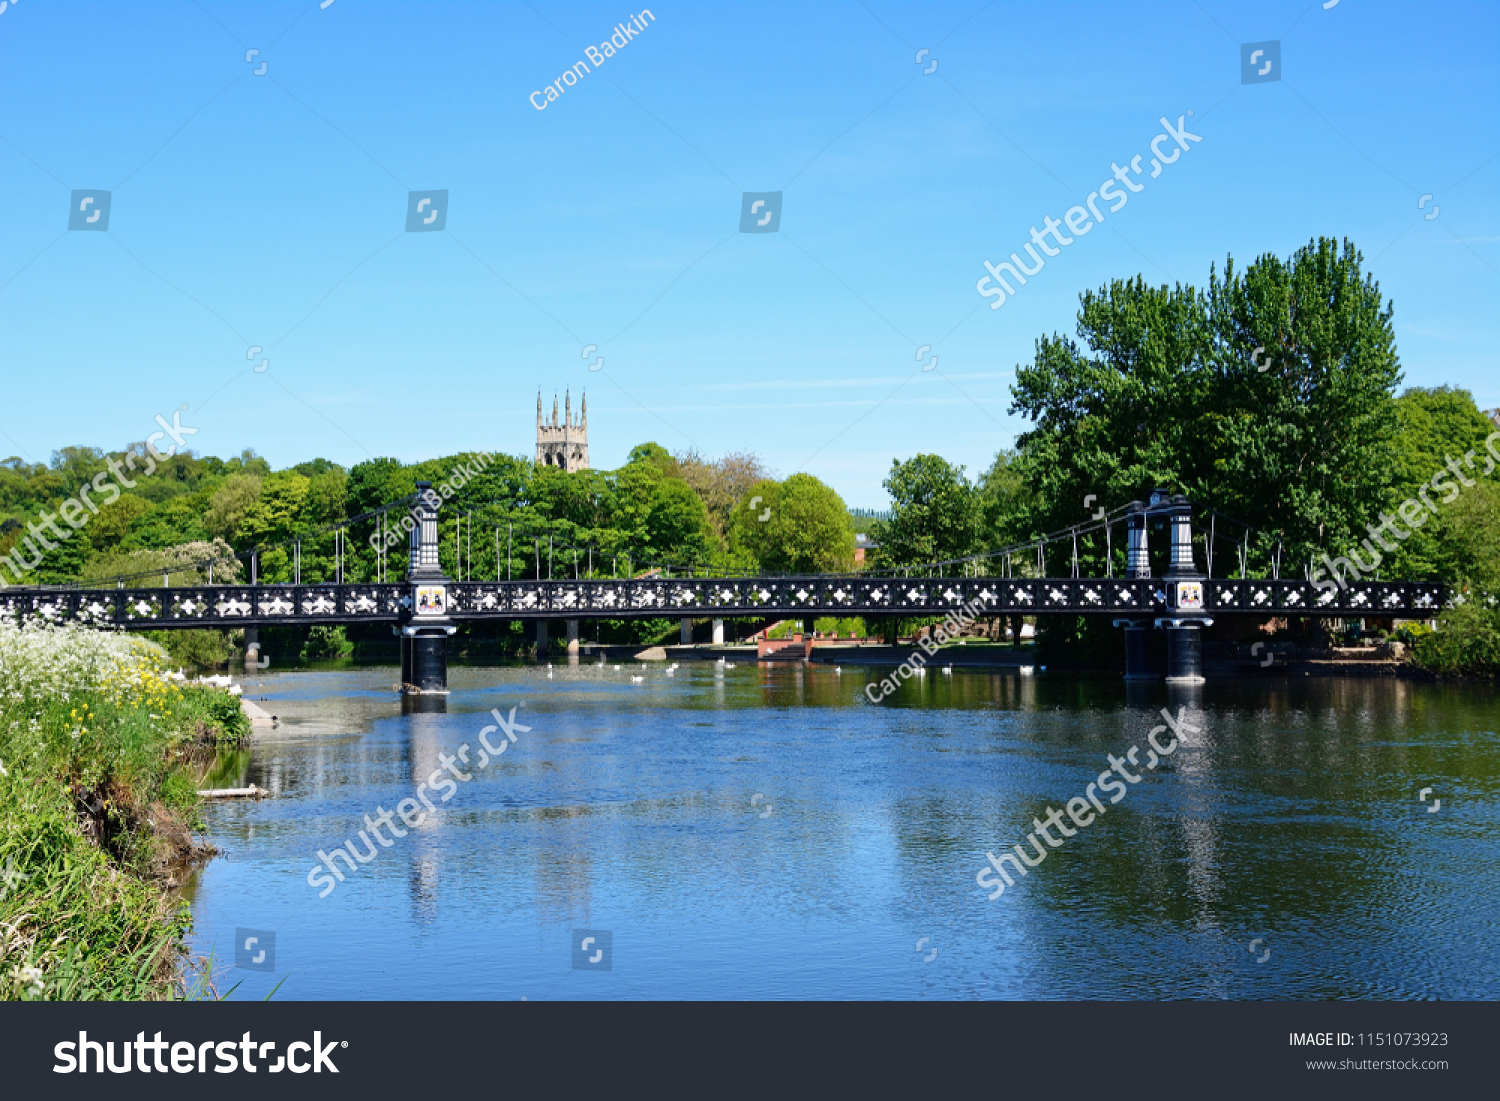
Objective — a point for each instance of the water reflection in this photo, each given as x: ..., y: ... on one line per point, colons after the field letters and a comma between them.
x: 1288, y: 813
x: 424, y: 703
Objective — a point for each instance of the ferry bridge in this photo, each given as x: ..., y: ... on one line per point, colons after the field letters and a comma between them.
x: 426, y: 607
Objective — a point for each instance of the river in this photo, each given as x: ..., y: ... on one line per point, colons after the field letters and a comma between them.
x: 766, y: 832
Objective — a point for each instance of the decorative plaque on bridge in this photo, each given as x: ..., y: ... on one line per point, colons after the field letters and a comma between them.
x: 431, y: 600
x: 1190, y: 595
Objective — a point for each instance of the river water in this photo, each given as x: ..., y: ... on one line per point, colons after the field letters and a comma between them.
x: 766, y: 832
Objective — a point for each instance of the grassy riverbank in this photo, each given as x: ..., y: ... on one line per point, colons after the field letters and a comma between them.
x: 100, y: 752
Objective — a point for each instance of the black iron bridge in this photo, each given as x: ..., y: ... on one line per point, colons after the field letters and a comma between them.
x: 427, y: 606
x: 221, y: 606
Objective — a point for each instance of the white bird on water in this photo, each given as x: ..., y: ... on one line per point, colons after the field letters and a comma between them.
x: 837, y: 670
x: 948, y: 669
x: 729, y: 665
x: 637, y: 680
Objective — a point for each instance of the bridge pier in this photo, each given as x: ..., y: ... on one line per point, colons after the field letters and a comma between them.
x: 424, y: 659
x: 1184, y: 651
x: 252, y: 649
x: 543, y: 640
x: 687, y: 631
x: 718, y: 636
x: 429, y: 662
x: 573, y: 638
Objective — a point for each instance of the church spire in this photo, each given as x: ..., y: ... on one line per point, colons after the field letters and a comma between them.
x: 538, y: 408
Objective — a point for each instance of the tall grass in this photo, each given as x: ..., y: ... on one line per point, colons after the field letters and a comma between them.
x: 101, y: 752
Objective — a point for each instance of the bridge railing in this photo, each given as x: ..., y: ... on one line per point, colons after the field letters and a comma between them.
x: 240, y: 605
x: 211, y: 606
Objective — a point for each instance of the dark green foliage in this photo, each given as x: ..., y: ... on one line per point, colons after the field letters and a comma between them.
x: 188, y: 648
x: 325, y: 642
x: 1002, y: 494
x: 1169, y: 393
x: 1467, y: 639
x: 936, y: 514
x: 1462, y: 541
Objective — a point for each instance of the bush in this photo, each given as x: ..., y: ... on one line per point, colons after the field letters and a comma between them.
x: 847, y: 628
x: 220, y: 712
x: 1411, y: 633
x: 194, y: 647
x: 98, y: 796
x: 631, y: 632
x: 1467, y: 639
x: 326, y: 642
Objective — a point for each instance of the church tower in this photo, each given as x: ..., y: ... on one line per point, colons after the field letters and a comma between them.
x: 564, y: 445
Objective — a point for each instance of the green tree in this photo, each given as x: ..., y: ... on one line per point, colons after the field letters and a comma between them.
x: 327, y: 496
x: 378, y: 482
x: 677, y: 523
x: 178, y: 520
x: 116, y: 520
x: 934, y: 513
x: 1003, y: 500
x: 230, y: 504
x: 584, y: 498
x: 806, y: 527
x: 636, y: 484
x: 1306, y: 447
x: 272, y: 518
x: 1473, y: 524
x: 1270, y: 398
x: 1435, y: 425
x: 653, y: 453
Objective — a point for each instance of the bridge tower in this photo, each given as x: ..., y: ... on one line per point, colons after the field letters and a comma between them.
x: 1182, y: 592
x: 1140, y: 663
x: 1187, y: 611
x: 425, y: 627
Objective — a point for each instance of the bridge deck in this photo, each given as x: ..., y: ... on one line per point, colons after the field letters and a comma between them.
x: 266, y: 605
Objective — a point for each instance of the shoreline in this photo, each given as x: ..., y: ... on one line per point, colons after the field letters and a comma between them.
x: 972, y: 658
x: 102, y: 751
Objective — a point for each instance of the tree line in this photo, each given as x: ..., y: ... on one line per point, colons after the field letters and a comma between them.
x: 1273, y: 395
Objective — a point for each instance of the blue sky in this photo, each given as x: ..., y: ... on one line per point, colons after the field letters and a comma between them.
x: 269, y: 210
